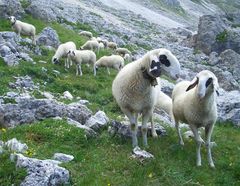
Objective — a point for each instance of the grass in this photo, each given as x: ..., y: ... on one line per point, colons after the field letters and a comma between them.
x: 106, y: 160
x: 222, y: 37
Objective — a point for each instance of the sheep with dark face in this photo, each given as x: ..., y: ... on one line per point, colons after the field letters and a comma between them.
x: 136, y: 87
x: 194, y: 103
x: 25, y: 29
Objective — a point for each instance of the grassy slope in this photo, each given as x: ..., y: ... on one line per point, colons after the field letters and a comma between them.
x: 105, y: 160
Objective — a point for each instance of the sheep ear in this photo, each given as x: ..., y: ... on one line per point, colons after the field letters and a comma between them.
x: 193, y: 84
x: 216, y: 86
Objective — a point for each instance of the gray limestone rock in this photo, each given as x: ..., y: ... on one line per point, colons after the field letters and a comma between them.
x: 16, y: 146
x: 48, y: 37
x: 63, y: 157
x: 98, y: 121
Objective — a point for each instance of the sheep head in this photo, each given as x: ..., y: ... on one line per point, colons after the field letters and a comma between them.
x: 55, y: 60
x: 206, y: 82
x: 169, y: 64
x: 12, y: 19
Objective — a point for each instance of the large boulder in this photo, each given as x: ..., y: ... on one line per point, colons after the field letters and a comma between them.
x: 9, y: 8
x: 217, y: 33
x: 48, y: 37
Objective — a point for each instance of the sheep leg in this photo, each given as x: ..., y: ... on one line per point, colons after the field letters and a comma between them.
x: 94, y: 70
x: 153, y: 130
x: 180, y: 139
x: 208, y: 134
x: 33, y: 40
x: 145, y: 118
x: 134, y: 125
x: 199, y: 142
x: 108, y: 71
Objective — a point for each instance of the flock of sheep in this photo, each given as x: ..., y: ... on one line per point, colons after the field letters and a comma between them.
x: 137, y: 88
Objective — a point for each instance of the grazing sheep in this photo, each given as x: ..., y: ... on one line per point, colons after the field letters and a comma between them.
x: 101, y: 46
x: 112, y: 45
x: 136, y: 87
x: 86, y: 34
x: 23, y: 28
x: 194, y: 103
x: 113, y: 61
x: 62, y: 51
x: 91, y: 45
x: 127, y: 57
x: 122, y: 51
x: 82, y: 56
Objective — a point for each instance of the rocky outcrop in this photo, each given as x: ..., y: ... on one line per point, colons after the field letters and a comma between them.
x: 31, y: 110
x: 48, y: 37
x: 9, y: 8
x: 217, y: 33
x: 41, y: 172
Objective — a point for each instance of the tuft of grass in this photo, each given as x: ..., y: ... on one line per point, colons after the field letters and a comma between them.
x: 25, y: 3
x: 222, y: 37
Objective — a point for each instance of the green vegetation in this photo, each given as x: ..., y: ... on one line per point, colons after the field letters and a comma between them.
x: 222, y: 37
x: 105, y: 160
x: 25, y: 3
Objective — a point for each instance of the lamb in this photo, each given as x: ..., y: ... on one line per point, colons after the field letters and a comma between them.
x: 23, y: 28
x: 194, y: 103
x: 101, y: 46
x: 122, y: 51
x: 86, y: 34
x: 91, y: 45
x: 136, y: 87
x: 127, y: 57
x: 82, y: 56
x: 112, y: 45
x: 113, y: 61
x: 62, y: 51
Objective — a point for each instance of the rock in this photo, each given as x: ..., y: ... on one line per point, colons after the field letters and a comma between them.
x: 16, y: 146
x: 138, y: 153
x: 9, y: 8
x: 98, y: 121
x: 47, y: 95
x: 11, y: 60
x: 67, y: 95
x: 215, y: 33
x: 42, y: 172
x: 230, y: 62
x: 83, y: 102
x: 122, y: 129
x: 167, y: 87
x: 31, y: 110
x: 213, y: 58
x: 48, y: 37
x: 25, y: 57
x: 229, y: 107
x: 63, y: 157
x: 89, y: 132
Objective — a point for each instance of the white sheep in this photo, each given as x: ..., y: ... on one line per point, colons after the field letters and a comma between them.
x: 23, y: 28
x: 86, y: 34
x: 122, y: 51
x: 112, y: 45
x: 62, y: 51
x: 91, y: 45
x: 101, y: 46
x: 136, y: 87
x: 82, y: 57
x: 113, y: 61
x: 164, y: 102
x: 194, y: 103
x: 127, y: 57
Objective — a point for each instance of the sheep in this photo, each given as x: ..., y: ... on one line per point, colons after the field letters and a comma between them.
x: 86, y: 34
x: 62, y: 51
x: 91, y: 45
x: 136, y: 87
x: 122, y: 51
x: 113, y: 61
x: 23, y: 28
x: 82, y: 56
x: 101, y: 46
x: 127, y: 57
x: 194, y: 103
x: 112, y: 45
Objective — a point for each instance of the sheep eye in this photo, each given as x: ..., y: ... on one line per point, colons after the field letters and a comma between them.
x: 209, y: 81
x: 164, y: 60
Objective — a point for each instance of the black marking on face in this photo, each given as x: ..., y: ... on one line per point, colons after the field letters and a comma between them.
x: 209, y: 81
x: 73, y: 53
x: 55, y: 60
x: 164, y: 60
x: 155, y: 68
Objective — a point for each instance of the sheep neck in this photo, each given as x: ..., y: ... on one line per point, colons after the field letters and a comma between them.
x: 153, y: 80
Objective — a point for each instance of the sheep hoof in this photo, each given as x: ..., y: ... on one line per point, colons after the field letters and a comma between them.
x: 154, y: 135
x: 199, y: 164
x: 181, y: 143
x: 212, y: 165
